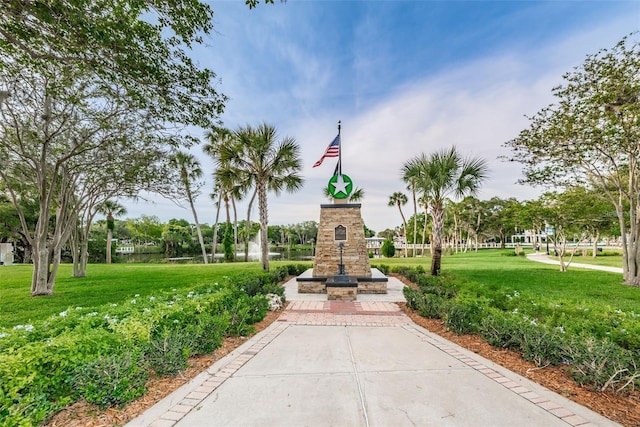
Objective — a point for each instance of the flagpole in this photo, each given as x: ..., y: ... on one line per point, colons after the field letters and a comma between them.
x: 339, y: 149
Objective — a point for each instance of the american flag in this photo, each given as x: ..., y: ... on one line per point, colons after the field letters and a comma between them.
x: 333, y: 150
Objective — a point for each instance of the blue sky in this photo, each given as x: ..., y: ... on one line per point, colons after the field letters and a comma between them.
x: 404, y: 77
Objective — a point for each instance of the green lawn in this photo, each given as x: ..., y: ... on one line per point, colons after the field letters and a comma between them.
x: 495, y: 270
x: 609, y: 260
x: 103, y: 284
x: 118, y: 282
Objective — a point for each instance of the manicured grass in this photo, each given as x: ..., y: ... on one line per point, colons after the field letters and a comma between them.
x: 609, y: 260
x: 503, y: 274
x: 103, y: 284
x: 117, y: 282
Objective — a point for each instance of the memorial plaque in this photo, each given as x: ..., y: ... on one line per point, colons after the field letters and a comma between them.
x: 340, y: 233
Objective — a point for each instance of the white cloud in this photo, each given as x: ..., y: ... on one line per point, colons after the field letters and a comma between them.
x: 476, y: 105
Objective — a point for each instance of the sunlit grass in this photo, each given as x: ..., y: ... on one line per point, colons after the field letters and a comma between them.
x: 503, y: 273
x: 488, y: 268
x: 103, y: 284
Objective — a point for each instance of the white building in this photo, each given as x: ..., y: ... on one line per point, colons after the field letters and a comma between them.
x: 6, y: 254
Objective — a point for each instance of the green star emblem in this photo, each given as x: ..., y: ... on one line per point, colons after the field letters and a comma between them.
x: 340, y: 186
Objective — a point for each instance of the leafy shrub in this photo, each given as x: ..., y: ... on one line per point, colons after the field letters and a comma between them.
x: 603, y: 365
x: 387, y: 249
x: 113, y: 380
x: 501, y: 330
x: 463, y: 317
x: 384, y: 269
x: 261, y: 283
x: 412, y: 296
x: 441, y: 286
x: 429, y: 306
x: 208, y: 332
x: 245, y: 312
x: 541, y: 345
x: 168, y: 350
x: 296, y: 269
x: 80, y: 352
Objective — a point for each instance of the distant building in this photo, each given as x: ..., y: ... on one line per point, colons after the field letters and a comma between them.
x: 6, y: 253
x: 125, y: 249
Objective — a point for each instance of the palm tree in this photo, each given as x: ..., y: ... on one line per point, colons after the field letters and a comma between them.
x: 439, y: 176
x: 410, y: 179
x: 111, y: 209
x: 425, y: 205
x: 216, y: 196
x: 356, y: 195
x: 269, y: 165
x: 232, y: 186
x: 190, y: 173
x: 398, y: 199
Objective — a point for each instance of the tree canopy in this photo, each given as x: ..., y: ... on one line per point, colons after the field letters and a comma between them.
x: 590, y: 135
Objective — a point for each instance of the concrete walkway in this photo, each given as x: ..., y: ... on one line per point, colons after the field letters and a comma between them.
x: 363, y: 363
x: 544, y: 258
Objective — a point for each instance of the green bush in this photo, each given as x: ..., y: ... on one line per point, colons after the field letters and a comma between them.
x: 441, y: 286
x: 296, y: 269
x: 169, y: 350
x: 542, y: 345
x: 113, y: 380
x: 387, y: 249
x: 429, y: 306
x: 384, y: 269
x: 464, y: 316
x: 88, y: 352
x: 603, y: 365
x: 502, y: 330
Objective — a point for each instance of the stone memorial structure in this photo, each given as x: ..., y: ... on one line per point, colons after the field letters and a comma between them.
x: 341, y: 265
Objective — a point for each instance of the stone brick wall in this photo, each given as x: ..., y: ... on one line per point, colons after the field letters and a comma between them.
x: 311, y: 287
x: 372, y: 287
x: 342, y: 293
x: 355, y: 256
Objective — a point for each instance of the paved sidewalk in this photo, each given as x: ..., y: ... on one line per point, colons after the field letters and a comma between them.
x: 363, y: 363
x: 544, y: 258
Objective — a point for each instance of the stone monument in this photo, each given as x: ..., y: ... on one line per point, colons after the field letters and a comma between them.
x: 341, y: 249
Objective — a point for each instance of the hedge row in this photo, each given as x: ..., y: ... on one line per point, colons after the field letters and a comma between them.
x: 105, y: 355
x: 603, y: 357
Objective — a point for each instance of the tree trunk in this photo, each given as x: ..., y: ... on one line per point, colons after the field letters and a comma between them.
x: 40, y: 278
x: 215, y: 230
x: 246, y: 240
x: 109, y: 237
x: 455, y: 233
x: 424, y: 235
x: 262, y: 208
x: 406, y: 239
x: 415, y: 218
x: 438, y: 228
x: 205, y: 259
x: 84, y: 257
x: 235, y: 227
x: 74, y: 243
